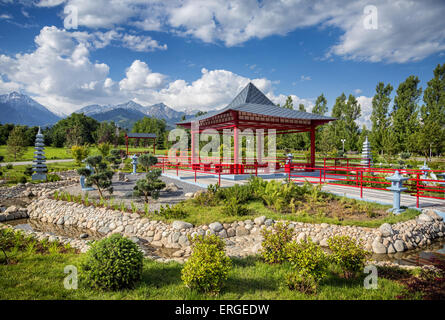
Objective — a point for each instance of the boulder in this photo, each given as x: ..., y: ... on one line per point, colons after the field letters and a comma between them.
x: 399, y: 245
x: 260, y: 220
x: 432, y: 214
x: 424, y: 218
x: 10, y: 209
x: 189, y: 195
x: 386, y: 230
x: 178, y: 225
x: 378, y: 247
x: 241, y: 231
x: 216, y: 226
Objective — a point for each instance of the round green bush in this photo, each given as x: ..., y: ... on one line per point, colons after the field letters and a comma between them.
x: 112, y: 263
x: 275, y: 241
x: 208, y: 266
x: 347, y: 254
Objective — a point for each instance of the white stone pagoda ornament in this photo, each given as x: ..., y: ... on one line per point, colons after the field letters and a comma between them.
x: 366, y: 154
x: 39, y: 165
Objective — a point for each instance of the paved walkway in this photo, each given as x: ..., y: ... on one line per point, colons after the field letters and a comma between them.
x: 24, y: 163
x: 378, y: 196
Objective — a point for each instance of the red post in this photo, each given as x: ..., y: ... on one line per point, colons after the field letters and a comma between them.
x: 320, y: 176
x: 417, y: 191
x: 312, y: 146
x: 195, y: 174
x: 361, y: 184
x: 154, y: 146
x: 219, y: 177
x: 177, y: 169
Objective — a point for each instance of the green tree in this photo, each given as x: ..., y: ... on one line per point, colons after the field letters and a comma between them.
x: 301, y: 107
x: 289, y: 104
x: 79, y: 153
x: 404, y: 116
x: 320, y: 106
x: 104, y: 149
x: 147, y: 160
x: 432, y: 126
x: 106, y: 133
x: 16, y: 144
x: 100, y: 176
x: 77, y: 129
x: 151, y: 125
x: 150, y: 185
x: 380, y: 115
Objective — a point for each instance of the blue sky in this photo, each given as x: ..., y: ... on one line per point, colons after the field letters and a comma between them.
x: 199, y: 54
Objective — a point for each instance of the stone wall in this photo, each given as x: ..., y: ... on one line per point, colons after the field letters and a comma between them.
x: 386, y: 239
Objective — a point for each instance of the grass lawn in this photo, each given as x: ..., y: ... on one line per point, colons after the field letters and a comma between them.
x: 40, y: 276
x: 198, y: 214
x: 53, y: 153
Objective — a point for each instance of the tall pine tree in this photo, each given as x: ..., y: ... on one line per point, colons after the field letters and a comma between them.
x: 380, y: 116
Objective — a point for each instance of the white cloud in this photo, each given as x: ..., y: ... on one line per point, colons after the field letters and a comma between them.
x: 49, y: 3
x: 305, y: 78
x: 407, y: 30
x: 366, y: 109
x: 5, y: 16
x: 140, y: 77
x: 60, y: 75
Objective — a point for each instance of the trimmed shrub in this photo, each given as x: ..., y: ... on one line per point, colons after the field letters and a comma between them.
x: 347, y: 254
x: 208, y: 266
x: 52, y: 178
x: 310, y: 265
x: 274, y: 244
x: 172, y: 212
x: 234, y: 208
x: 22, y: 179
x: 112, y: 263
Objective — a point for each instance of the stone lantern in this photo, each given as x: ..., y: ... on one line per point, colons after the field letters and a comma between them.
x: 366, y: 154
x: 396, y: 188
x: 425, y: 169
x: 134, y: 162
x: 39, y: 165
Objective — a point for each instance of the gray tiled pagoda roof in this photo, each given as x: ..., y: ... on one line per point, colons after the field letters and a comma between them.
x: 252, y: 100
x: 141, y: 135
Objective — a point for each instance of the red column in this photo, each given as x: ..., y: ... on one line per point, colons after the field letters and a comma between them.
x: 154, y: 146
x: 312, y: 146
x: 192, y: 133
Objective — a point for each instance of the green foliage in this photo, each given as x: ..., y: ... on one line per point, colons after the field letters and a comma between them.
x: 100, y: 177
x: 104, y: 149
x: 16, y: 142
x: 173, y: 212
x: 208, y: 266
x: 147, y: 160
x: 22, y: 179
x: 52, y: 177
x: 305, y: 284
x: 307, y: 259
x: 234, y: 208
x: 115, y: 158
x: 77, y: 129
x: 28, y: 171
x: 152, y: 125
x: 150, y: 185
x: 275, y: 241
x: 347, y: 254
x: 9, y: 166
x: 79, y: 153
x: 113, y: 263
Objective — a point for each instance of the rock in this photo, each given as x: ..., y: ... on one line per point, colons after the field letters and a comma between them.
x: 199, y: 192
x: 10, y: 209
x: 135, y: 239
x: 399, y: 245
x: 216, y: 226
x: 223, y: 233
x: 386, y: 230
x: 260, y: 220
x: 324, y: 242
x: 189, y: 195
x: 241, y: 231
x: 183, y: 241
x: 231, y: 232
x: 378, y: 247
x: 178, y: 225
x: 83, y: 236
x: 424, y: 218
x: 171, y: 187
x: 391, y: 248
x: 301, y: 236
x: 178, y: 253
x: 268, y: 222
x: 433, y: 214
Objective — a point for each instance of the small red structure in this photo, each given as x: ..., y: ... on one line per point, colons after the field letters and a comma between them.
x: 251, y: 109
x: 138, y: 136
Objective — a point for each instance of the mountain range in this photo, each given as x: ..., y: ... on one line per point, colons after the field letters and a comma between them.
x: 18, y: 108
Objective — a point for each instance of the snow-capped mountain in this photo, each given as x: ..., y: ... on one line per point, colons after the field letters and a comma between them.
x: 19, y: 108
x: 160, y: 111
